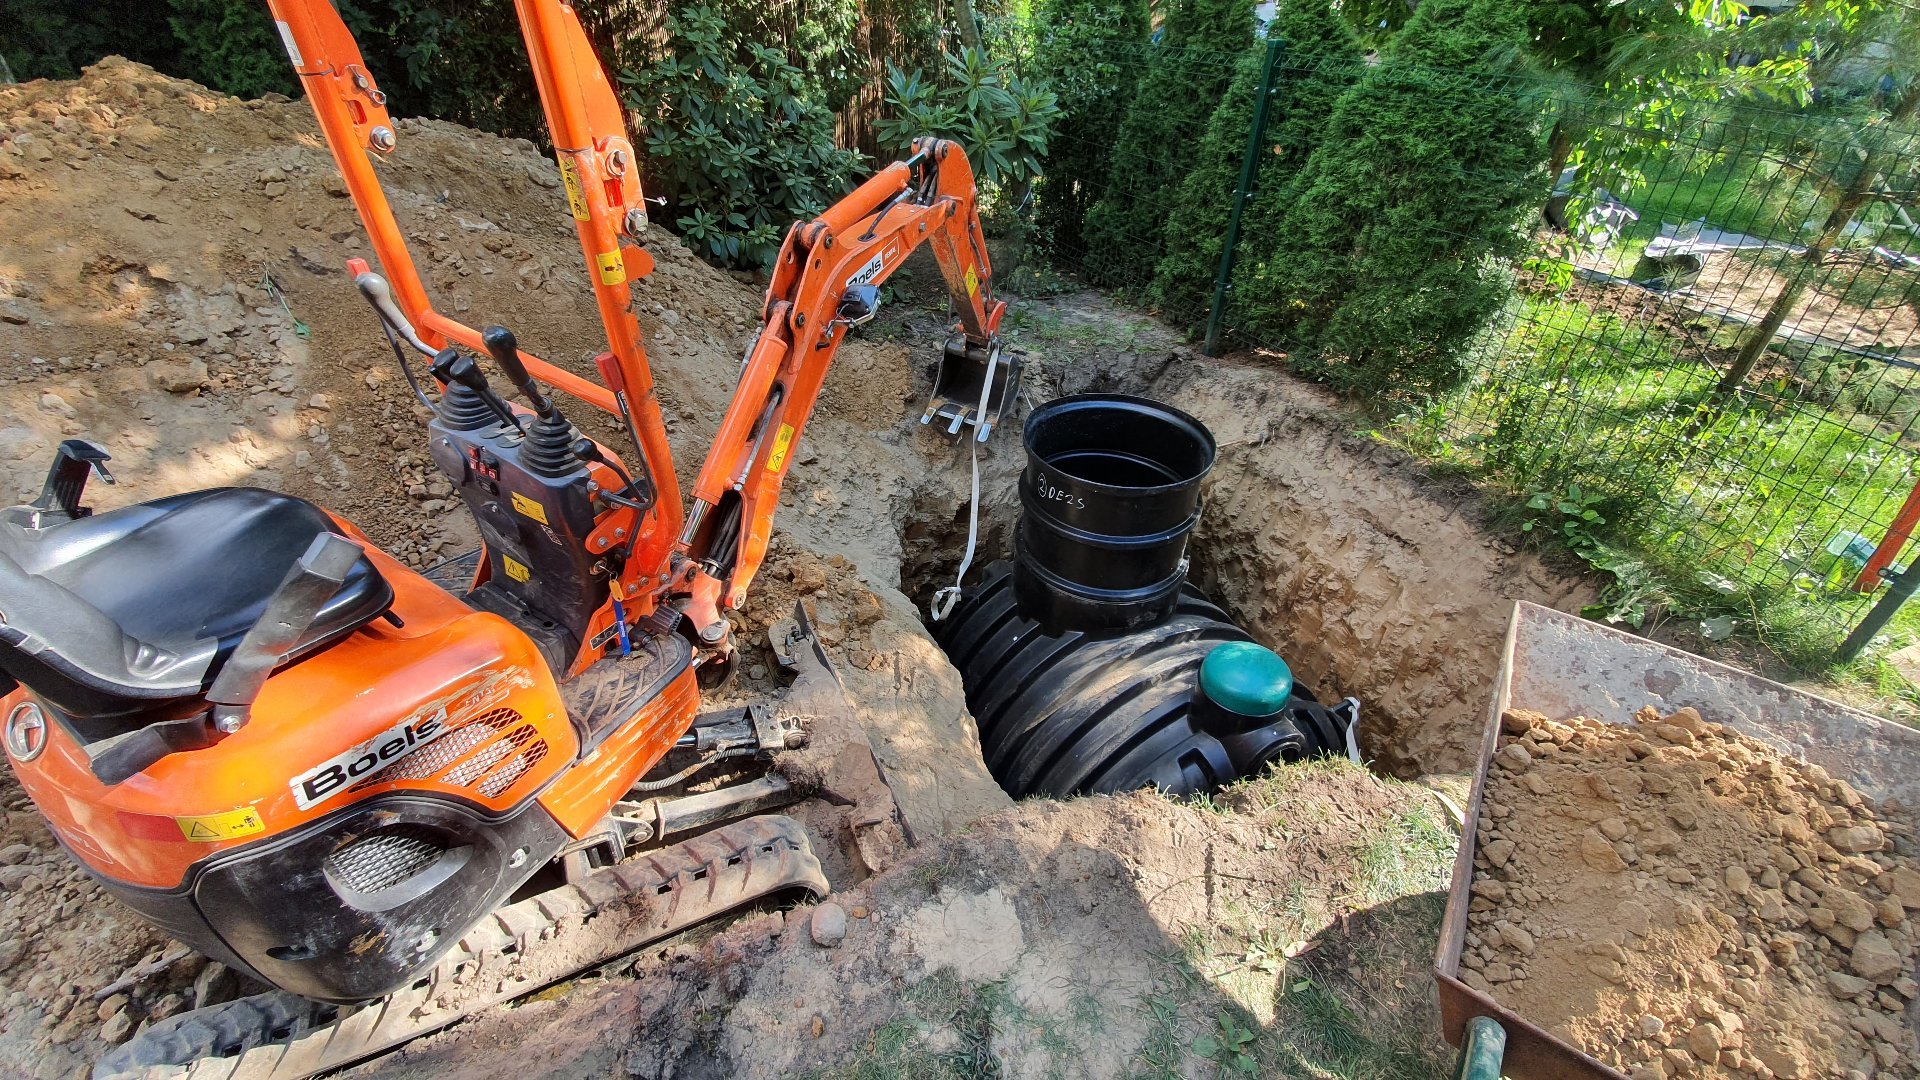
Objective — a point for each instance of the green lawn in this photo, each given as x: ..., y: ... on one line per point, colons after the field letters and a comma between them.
x: 1727, y: 511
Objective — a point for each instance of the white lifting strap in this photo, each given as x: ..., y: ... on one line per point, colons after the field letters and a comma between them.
x: 944, y: 600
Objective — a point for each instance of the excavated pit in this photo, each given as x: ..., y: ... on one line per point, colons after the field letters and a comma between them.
x: 1369, y: 577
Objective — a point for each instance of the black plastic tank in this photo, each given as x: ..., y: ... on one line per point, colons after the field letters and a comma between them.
x: 1188, y: 704
x: 1091, y: 664
x: 1109, y: 494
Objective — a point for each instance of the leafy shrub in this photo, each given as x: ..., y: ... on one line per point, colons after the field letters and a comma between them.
x: 54, y: 39
x: 1187, y: 74
x: 458, y: 60
x: 1389, y: 260
x: 231, y: 47
x: 735, y: 139
x: 1094, y: 52
x: 1003, y: 121
x: 819, y: 36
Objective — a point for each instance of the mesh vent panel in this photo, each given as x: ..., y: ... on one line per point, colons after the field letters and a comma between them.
x: 492, y: 754
x: 513, y: 770
x: 443, y: 751
x: 385, y: 859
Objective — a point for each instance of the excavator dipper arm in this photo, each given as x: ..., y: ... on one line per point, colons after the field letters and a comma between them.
x: 826, y: 281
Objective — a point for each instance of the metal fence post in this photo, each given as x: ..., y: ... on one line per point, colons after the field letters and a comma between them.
x: 1249, y: 168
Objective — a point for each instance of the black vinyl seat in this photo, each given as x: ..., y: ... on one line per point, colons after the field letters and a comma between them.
x: 114, y: 617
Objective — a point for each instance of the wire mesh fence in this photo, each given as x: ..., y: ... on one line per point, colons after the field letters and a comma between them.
x: 1702, y: 371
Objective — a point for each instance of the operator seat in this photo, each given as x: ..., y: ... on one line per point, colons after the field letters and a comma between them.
x: 123, y: 618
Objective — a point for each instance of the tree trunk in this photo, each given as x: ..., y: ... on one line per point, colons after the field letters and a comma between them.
x: 1559, y: 148
x: 1852, y: 198
x: 969, y: 25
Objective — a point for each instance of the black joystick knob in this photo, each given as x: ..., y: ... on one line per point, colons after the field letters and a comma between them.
x: 442, y: 365
x: 467, y: 404
x: 461, y: 369
x: 587, y: 450
x: 505, y: 351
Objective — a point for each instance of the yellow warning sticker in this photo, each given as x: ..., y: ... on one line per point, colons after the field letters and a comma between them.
x: 613, y: 269
x: 206, y: 828
x: 515, y: 570
x: 576, y: 198
x: 526, y: 507
x: 782, y: 440
x: 973, y: 281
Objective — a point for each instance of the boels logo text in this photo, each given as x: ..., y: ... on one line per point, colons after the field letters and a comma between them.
x: 323, y: 781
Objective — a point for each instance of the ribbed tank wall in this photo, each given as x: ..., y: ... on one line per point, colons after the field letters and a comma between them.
x: 1071, y: 713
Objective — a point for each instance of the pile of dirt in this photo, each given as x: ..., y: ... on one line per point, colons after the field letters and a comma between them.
x: 1102, y: 937
x: 1678, y: 899
x: 900, y: 684
x: 174, y: 287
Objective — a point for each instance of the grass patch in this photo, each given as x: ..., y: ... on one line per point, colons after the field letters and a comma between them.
x: 947, y: 1034
x: 1326, y: 977
x: 949, y: 1031
x: 1413, y: 855
x: 1320, y: 1035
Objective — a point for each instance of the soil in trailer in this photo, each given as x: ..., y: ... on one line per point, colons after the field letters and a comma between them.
x: 1677, y: 899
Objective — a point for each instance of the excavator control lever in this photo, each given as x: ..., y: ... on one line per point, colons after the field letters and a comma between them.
x: 454, y: 368
x: 505, y: 351
x: 73, y: 463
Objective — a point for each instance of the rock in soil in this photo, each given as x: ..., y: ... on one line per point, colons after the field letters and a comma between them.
x: 828, y: 924
x: 1692, y: 902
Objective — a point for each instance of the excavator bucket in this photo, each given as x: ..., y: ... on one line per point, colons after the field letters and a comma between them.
x: 839, y: 758
x: 973, y: 387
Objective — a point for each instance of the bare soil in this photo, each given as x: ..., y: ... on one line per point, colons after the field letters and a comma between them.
x: 1680, y: 900
x: 1747, y: 282
x: 1102, y: 937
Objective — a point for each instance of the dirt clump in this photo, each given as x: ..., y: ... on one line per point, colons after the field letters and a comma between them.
x: 898, y: 682
x: 1678, y: 899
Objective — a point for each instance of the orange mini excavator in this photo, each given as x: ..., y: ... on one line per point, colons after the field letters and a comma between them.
x: 398, y: 798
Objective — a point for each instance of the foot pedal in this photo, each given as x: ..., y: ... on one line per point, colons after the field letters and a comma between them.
x: 973, y: 387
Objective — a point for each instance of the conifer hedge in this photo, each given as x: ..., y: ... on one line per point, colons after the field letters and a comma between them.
x: 1389, y: 259
x: 1094, y: 51
x: 1159, y: 142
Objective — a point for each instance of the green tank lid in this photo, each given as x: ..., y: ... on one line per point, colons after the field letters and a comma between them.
x: 1246, y: 679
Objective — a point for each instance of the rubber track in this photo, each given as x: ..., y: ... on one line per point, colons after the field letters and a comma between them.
x: 515, y: 951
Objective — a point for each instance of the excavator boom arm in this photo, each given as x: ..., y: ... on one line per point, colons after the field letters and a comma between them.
x: 825, y: 281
